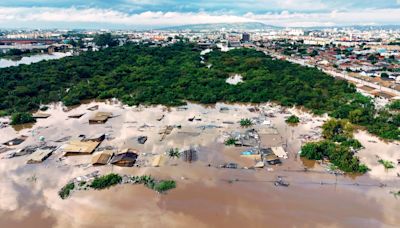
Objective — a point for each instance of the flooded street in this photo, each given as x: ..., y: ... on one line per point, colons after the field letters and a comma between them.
x: 206, y: 195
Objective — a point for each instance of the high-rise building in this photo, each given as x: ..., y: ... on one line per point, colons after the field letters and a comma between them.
x: 245, y: 37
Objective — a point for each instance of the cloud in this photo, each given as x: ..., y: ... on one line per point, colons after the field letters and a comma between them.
x: 95, y: 17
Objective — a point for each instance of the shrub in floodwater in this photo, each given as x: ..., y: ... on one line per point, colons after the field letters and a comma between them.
x: 106, y: 181
x: 245, y: 122
x: 174, y: 153
x: 293, y: 119
x: 66, y: 190
x: 386, y: 164
x: 22, y: 118
x: 164, y: 185
x: 339, y: 155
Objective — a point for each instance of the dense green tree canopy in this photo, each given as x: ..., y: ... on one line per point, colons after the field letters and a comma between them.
x: 139, y: 74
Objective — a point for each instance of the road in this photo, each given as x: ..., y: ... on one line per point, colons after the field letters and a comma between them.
x: 335, y: 74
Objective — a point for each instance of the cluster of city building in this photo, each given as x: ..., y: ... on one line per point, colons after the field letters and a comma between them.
x: 372, y: 55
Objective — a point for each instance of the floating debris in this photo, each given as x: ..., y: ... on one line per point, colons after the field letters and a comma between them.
x: 142, y: 139
x: 280, y: 182
x: 93, y: 108
x: 209, y: 126
x: 229, y: 166
x: 160, y: 117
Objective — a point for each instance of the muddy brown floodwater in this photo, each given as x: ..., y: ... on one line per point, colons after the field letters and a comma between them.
x: 206, y: 195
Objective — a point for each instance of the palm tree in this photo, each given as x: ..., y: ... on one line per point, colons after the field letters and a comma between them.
x: 174, y: 153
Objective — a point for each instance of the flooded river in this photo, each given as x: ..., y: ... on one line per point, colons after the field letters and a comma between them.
x: 206, y: 195
x: 32, y: 59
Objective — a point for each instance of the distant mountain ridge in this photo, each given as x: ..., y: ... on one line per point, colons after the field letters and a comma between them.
x: 227, y: 26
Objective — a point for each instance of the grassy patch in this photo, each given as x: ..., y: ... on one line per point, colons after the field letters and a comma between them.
x: 106, y: 181
x: 164, y: 185
x: 66, y: 190
x: 386, y: 164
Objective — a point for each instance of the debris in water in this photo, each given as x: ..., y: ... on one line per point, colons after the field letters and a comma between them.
x: 280, y: 182
x: 142, y: 139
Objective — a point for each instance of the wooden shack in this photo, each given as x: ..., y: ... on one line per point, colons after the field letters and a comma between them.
x: 126, y: 158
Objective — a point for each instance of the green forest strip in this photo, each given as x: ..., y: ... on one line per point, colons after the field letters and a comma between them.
x: 112, y: 179
x: 138, y: 74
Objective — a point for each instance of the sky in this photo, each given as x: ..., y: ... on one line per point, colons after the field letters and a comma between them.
x: 141, y: 14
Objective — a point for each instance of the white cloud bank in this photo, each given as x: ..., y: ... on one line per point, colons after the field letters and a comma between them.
x: 88, y: 17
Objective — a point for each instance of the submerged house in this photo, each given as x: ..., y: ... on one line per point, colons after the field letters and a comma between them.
x: 126, y: 158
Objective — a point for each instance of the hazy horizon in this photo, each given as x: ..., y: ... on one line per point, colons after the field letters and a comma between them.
x: 141, y: 14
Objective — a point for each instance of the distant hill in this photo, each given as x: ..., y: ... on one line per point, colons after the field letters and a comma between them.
x: 227, y: 26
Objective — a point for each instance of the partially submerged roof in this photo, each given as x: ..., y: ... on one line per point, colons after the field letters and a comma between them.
x: 16, y: 141
x: 98, y: 137
x: 157, y: 161
x: 271, y: 157
x: 80, y: 147
x: 40, y: 115
x: 102, y: 158
x: 39, y: 156
x: 251, y: 156
x: 100, y: 117
x: 279, y: 151
x: 125, y: 158
x: 76, y: 116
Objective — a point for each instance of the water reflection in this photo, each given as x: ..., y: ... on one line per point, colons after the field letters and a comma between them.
x: 32, y: 59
